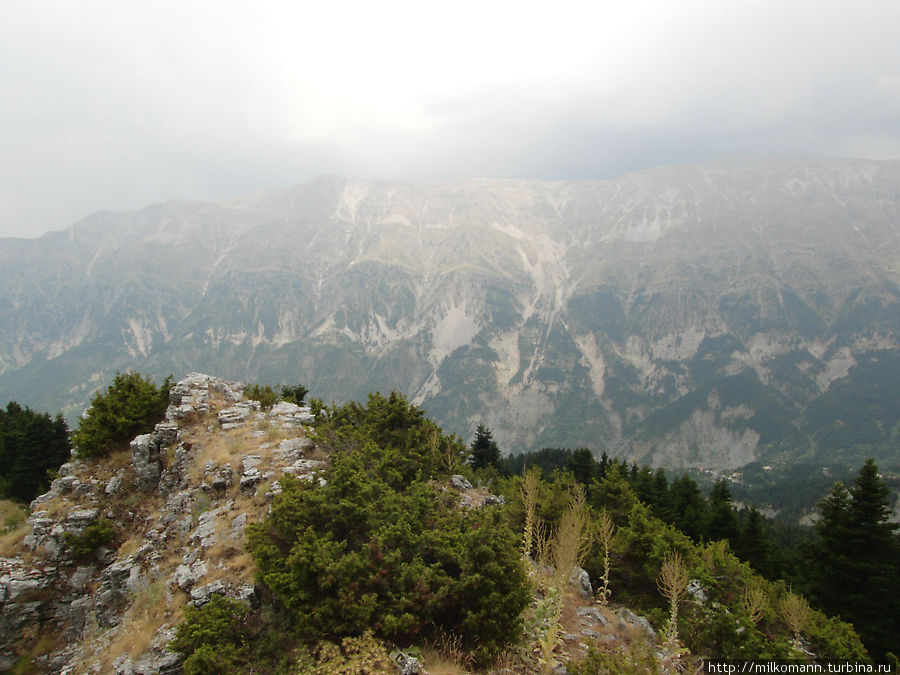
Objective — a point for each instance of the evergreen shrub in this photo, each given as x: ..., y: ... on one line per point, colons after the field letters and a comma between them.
x: 130, y: 406
x: 378, y: 547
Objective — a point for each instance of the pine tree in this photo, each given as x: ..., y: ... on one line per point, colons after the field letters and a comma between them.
x: 723, y: 523
x: 31, y: 444
x: 484, y: 451
x: 855, y: 565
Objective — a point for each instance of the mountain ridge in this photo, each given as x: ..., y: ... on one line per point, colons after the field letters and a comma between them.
x: 560, y: 313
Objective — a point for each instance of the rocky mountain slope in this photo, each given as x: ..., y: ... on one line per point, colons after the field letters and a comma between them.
x: 177, y: 505
x: 710, y: 315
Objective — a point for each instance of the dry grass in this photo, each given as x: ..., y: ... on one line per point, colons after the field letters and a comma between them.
x: 13, y: 527
x: 151, y: 607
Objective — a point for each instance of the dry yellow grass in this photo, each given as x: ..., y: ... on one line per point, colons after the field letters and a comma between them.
x: 151, y: 607
x: 11, y: 542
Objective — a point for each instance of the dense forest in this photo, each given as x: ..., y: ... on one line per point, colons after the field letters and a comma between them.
x: 32, y: 446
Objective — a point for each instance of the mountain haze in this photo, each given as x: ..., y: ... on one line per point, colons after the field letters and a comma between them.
x: 710, y: 315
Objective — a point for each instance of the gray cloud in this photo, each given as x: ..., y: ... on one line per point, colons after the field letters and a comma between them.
x: 117, y: 105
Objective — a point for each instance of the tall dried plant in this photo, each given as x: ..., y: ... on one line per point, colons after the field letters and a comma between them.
x: 606, y: 531
x: 795, y: 612
x: 672, y: 583
x: 754, y: 601
x: 572, y: 537
x: 530, y: 492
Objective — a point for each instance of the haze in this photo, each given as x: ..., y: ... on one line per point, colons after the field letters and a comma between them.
x: 114, y: 105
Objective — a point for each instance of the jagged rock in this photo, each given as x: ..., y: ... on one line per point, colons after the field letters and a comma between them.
x: 304, y: 468
x: 80, y: 577
x: 205, y: 534
x: 460, y: 482
x: 161, y: 663
x: 145, y: 458
x: 695, y: 590
x: 592, y: 615
x: 117, y: 582
x: 292, y: 415
x: 165, y: 434
x: 237, y: 526
x: 175, y: 476
x: 589, y: 633
x: 19, y: 588
x: 250, y: 480
x: 250, y: 462
x: 291, y: 449
x: 494, y: 500
x: 235, y: 416
x: 41, y: 529
x: 407, y: 665
x: 582, y: 583
x: 273, y: 491
x: 186, y: 576
x: 79, y: 519
x: 64, y: 484
x: 79, y: 613
x: 113, y: 485
x: 628, y: 616
x: 219, y: 478
x: 67, y: 469
x: 200, y: 595
x: 285, y: 408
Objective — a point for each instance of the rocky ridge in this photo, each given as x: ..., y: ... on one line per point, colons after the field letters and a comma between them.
x: 179, y: 502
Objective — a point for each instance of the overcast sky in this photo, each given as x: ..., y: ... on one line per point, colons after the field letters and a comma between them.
x: 117, y: 104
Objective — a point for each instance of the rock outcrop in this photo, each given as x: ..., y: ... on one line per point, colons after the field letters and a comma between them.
x: 179, y: 505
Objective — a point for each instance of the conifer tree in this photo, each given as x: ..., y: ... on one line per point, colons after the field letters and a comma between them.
x: 723, y: 522
x: 484, y: 451
x: 31, y: 444
x: 855, y: 564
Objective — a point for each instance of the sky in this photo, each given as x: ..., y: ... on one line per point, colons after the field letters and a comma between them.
x: 117, y: 104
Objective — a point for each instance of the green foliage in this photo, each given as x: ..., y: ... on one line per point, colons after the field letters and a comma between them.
x: 264, y: 393
x: 855, y: 564
x: 130, y: 406
x: 212, y: 637
x: 379, y: 548
x: 721, y: 627
x: 31, y: 445
x: 95, y: 535
x: 484, y: 451
x: 636, y: 659
x: 294, y: 393
x: 362, y: 655
x: 411, y: 446
x: 225, y: 636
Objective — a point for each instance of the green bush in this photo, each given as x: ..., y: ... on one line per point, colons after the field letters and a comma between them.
x: 379, y: 547
x: 226, y: 636
x: 294, y: 394
x: 262, y: 393
x: 94, y: 536
x: 130, y: 406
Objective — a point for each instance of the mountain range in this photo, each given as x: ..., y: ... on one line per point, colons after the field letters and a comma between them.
x: 711, y: 315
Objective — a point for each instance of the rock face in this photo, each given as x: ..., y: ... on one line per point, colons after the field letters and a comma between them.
x: 178, y: 538
x: 706, y: 315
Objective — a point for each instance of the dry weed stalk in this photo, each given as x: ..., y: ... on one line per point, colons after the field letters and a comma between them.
x: 754, y: 601
x: 530, y: 490
x: 606, y: 530
x: 672, y: 583
x: 571, y: 538
x: 795, y: 612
